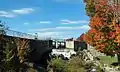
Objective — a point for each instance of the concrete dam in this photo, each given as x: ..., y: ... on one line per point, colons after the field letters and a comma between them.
x: 39, y: 50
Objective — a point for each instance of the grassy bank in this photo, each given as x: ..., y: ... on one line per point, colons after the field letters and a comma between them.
x: 107, y: 59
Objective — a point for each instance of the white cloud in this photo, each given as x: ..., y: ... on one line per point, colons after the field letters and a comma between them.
x: 85, y: 27
x: 54, y: 35
x: 45, y: 22
x: 45, y: 35
x: 6, y: 14
x: 73, y: 28
x: 49, y: 33
x: 26, y: 23
x: 57, y: 34
x: 66, y: 21
x: 14, y: 13
x: 23, y: 11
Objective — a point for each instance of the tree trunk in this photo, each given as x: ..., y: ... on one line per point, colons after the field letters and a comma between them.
x: 118, y: 57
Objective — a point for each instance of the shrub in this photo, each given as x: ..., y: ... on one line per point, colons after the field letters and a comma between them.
x: 57, y: 65
x: 75, y: 64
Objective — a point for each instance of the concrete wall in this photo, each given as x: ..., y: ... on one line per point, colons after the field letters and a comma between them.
x: 76, y: 45
x: 70, y: 44
x: 58, y: 44
x: 80, y: 45
x: 39, y: 49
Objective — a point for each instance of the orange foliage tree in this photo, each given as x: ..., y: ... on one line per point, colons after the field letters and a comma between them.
x: 81, y: 38
x: 104, y: 33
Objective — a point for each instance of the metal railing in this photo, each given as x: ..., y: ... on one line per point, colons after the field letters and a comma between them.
x: 19, y: 34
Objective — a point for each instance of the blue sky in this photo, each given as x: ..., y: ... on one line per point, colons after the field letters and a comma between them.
x: 48, y: 18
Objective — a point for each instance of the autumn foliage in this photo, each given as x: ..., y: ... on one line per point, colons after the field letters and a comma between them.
x: 81, y: 38
x: 104, y: 33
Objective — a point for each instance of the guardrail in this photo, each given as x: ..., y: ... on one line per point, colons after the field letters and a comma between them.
x: 13, y: 33
x: 19, y: 34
